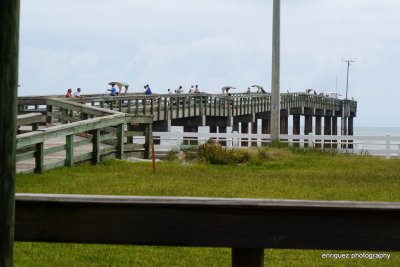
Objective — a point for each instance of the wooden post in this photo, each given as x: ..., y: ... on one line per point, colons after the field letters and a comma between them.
x: 148, y: 140
x: 39, y: 157
x: 318, y: 130
x: 69, y: 150
x: 49, y: 114
x: 96, y: 146
x: 242, y: 257
x: 328, y: 130
x: 120, y: 141
x: 296, y: 129
x: 9, y: 43
x: 334, y: 130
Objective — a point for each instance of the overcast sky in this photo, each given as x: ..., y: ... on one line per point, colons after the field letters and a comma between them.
x: 87, y: 43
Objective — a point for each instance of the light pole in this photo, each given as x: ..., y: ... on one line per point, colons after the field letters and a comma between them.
x: 345, y: 105
x: 275, y: 94
x: 348, y: 61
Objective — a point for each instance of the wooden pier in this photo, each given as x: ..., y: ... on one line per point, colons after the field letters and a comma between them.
x: 107, y: 125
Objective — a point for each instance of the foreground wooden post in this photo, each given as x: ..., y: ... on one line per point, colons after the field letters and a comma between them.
x: 9, y: 31
x: 96, y: 146
x: 120, y: 141
x: 39, y: 157
x: 242, y: 257
x: 69, y: 150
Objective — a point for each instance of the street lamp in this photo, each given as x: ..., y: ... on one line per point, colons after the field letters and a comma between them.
x: 348, y: 61
x: 345, y: 105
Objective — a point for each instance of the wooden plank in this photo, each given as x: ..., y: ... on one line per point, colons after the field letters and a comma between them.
x: 235, y: 223
x: 29, y: 118
x: 133, y: 147
x: 83, y: 157
x: 53, y: 165
x: 55, y: 149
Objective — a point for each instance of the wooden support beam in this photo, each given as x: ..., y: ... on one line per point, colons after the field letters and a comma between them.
x: 69, y: 150
x: 148, y: 140
x: 120, y: 141
x: 39, y: 157
x: 9, y: 44
x: 96, y: 146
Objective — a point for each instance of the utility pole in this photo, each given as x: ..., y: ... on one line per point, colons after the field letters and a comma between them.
x: 275, y: 80
x: 345, y: 105
x: 9, y: 43
x: 348, y: 61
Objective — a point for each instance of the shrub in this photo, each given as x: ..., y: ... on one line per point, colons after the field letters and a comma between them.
x: 171, y: 156
x: 213, y: 153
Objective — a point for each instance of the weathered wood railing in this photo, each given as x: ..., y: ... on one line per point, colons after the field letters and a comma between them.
x: 245, y: 225
x: 97, y: 126
x: 172, y: 106
x: 32, y: 119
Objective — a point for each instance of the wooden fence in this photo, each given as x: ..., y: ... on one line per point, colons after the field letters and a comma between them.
x: 245, y: 225
x: 387, y: 146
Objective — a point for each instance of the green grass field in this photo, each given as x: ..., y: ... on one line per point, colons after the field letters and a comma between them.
x: 284, y: 174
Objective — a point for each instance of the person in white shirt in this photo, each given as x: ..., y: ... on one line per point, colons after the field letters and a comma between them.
x: 77, y: 93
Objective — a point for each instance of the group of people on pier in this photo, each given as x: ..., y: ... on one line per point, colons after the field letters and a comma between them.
x: 117, y: 88
x: 76, y: 94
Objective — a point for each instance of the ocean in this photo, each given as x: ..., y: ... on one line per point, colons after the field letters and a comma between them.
x: 377, y: 131
x: 358, y: 131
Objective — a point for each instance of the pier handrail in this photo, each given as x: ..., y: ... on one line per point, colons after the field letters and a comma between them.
x: 170, y: 106
x: 95, y: 124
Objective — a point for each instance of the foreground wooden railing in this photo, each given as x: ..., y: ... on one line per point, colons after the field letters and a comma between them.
x: 97, y: 127
x: 245, y: 225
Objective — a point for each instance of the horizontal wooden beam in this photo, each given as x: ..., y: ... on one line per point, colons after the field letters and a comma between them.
x: 210, y: 222
x: 29, y: 118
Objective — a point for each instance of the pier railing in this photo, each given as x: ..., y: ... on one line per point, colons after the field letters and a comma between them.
x: 174, y: 106
x: 98, y: 132
x: 248, y: 226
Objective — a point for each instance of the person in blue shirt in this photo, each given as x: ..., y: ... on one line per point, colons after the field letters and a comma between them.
x: 147, y: 90
x: 113, y: 90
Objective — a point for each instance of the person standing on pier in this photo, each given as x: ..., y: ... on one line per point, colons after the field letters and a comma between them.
x: 196, y: 89
x: 113, y: 90
x: 179, y: 90
x: 147, y: 90
x: 77, y: 93
x: 69, y: 93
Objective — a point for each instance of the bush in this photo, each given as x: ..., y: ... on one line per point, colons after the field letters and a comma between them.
x: 171, y: 156
x: 213, y: 153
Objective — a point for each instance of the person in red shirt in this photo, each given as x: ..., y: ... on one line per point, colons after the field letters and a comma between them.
x: 69, y: 93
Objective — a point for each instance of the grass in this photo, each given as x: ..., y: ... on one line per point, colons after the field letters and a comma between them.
x: 283, y: 174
